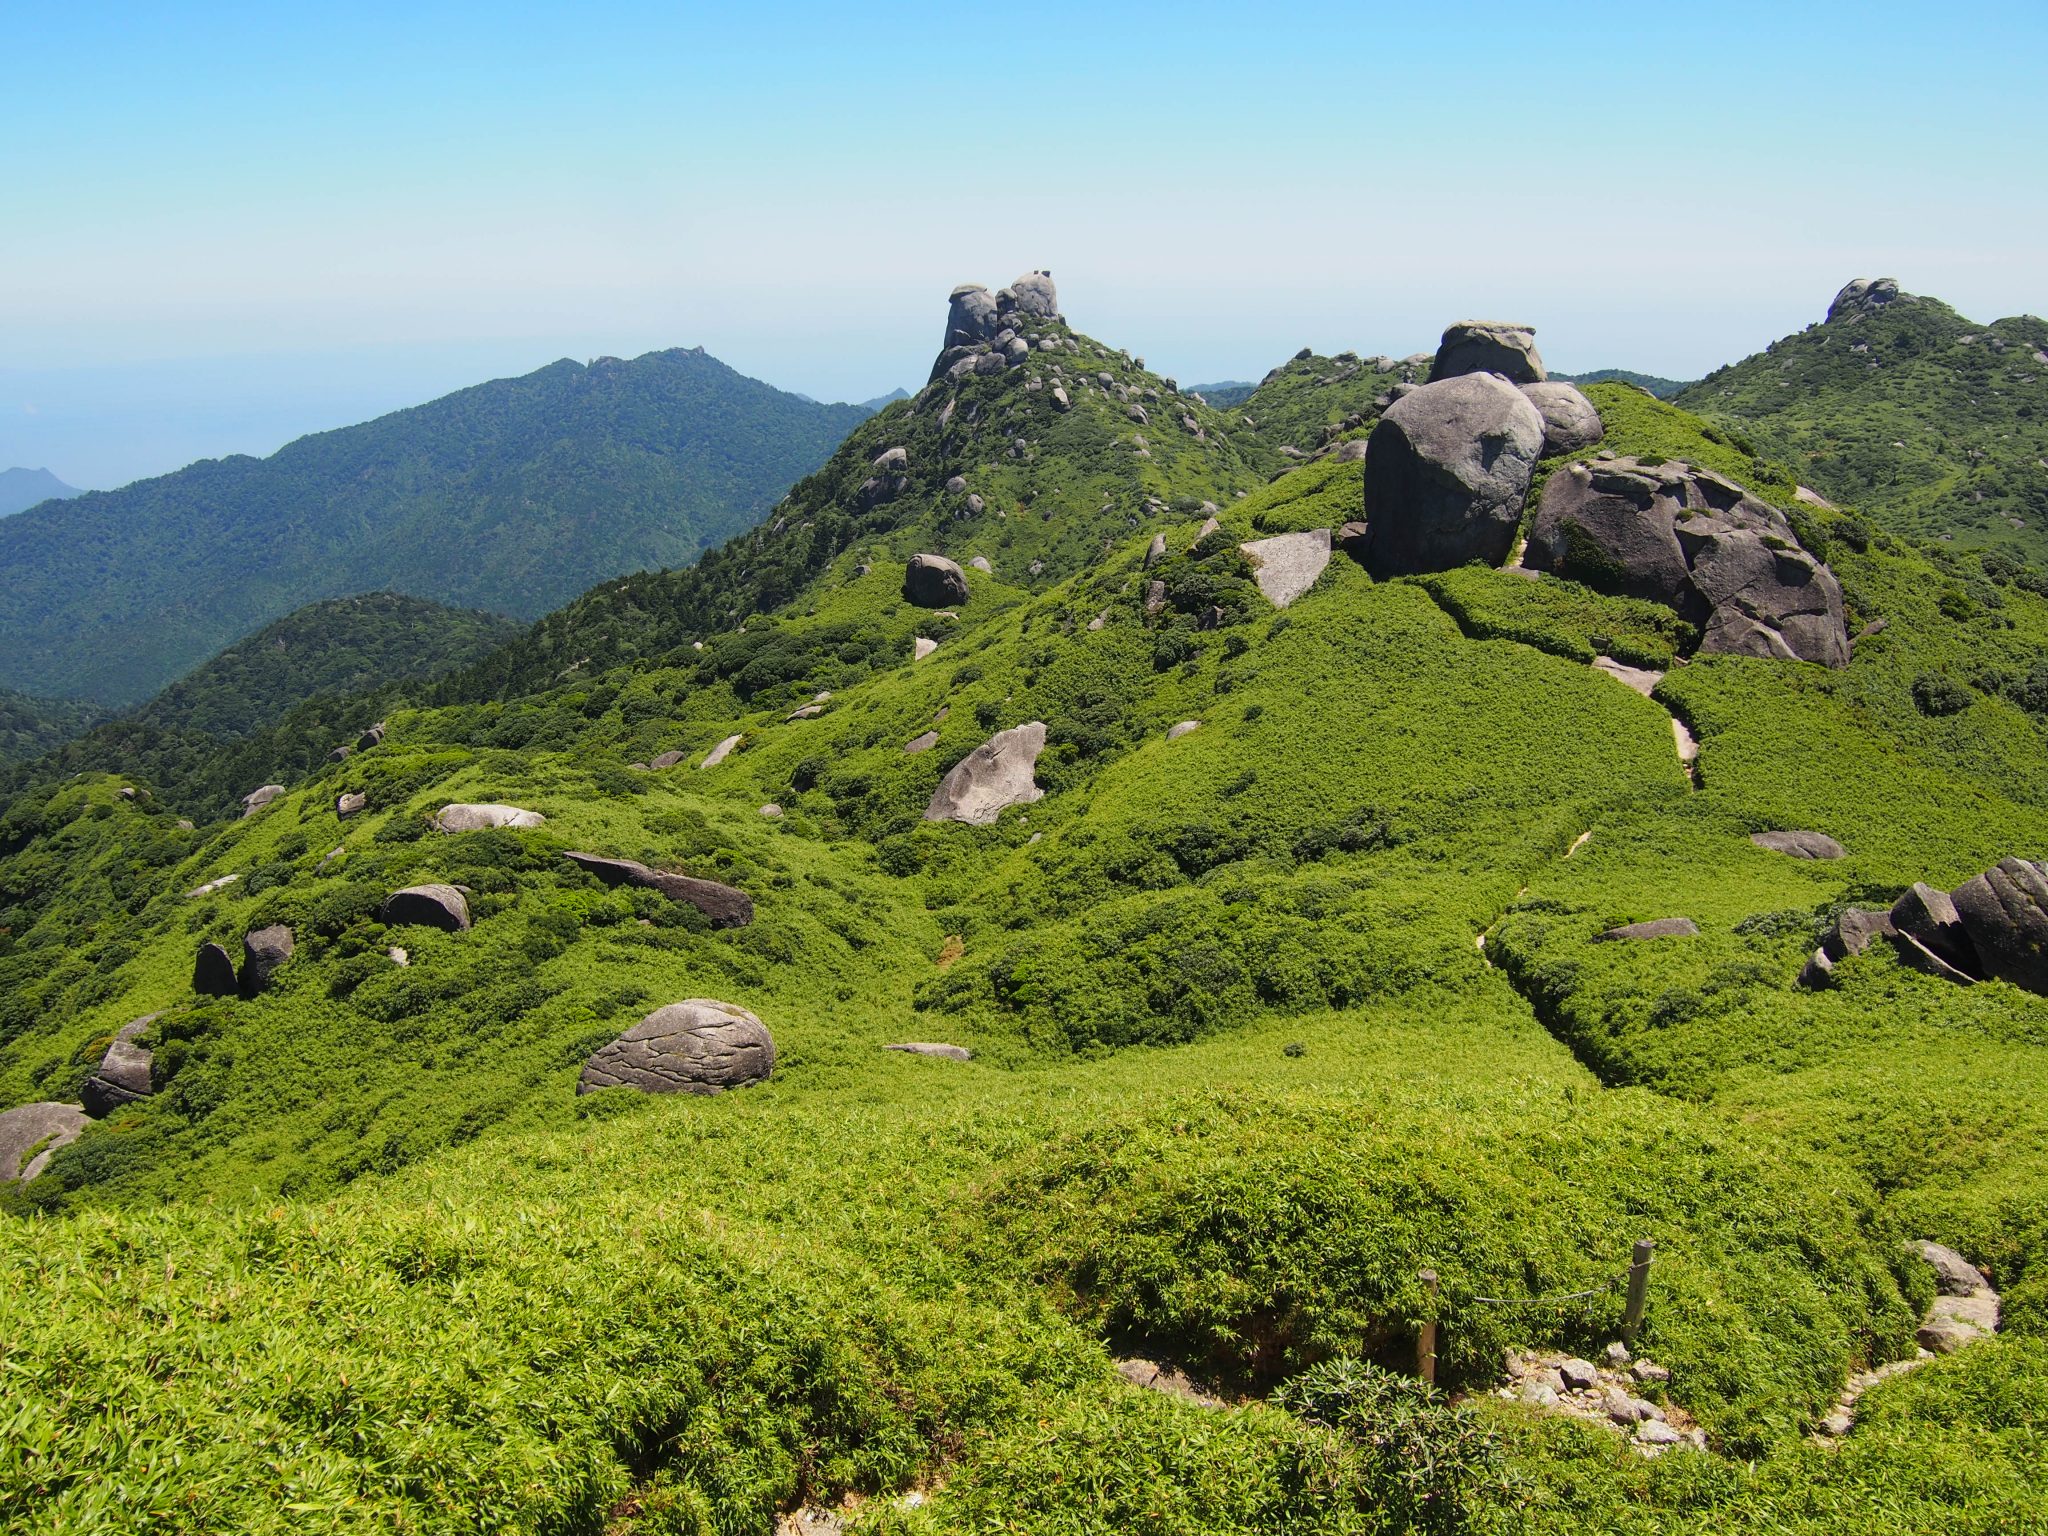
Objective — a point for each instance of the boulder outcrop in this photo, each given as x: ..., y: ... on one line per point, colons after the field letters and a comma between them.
x: 29, y: 1133
x: 123, y: 1075
x: 993, y: 777
x: 1446, y: 472
x: 263, y: 951
x: 725, y: 906
x: 1863, y: 295
x: 2005, y: 913
x: 481, y: 818
x: 1656, y: 928
x: 696, y: 1046
x: 256, y: 799
x: 1697, y: 543
x: 1488, y: 346
x: 426, y: 906
x: 933, y: 581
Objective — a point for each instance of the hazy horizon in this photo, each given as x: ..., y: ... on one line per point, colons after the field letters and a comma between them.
x: 247, y: 226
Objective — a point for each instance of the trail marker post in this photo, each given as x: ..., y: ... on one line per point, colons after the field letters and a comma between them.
x: 1425, y: 1340
x: 1638, y: 1290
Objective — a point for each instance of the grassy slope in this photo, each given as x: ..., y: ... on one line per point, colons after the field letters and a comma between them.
x: 1241, y: 1073
x: 1927, y: 423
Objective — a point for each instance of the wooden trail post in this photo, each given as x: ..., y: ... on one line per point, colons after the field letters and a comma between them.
x: 1425, y: 1341
x: 1638, y: 1290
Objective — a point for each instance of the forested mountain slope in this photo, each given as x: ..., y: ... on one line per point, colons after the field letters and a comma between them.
x: 1281, y: 922
x: 1926, y: 422
x: 273, y: 704
x: 512, y: 496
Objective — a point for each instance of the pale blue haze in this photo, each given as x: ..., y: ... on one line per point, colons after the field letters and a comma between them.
x: 229, y: 224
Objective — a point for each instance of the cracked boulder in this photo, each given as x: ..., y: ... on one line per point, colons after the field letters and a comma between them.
x: 1697, y: 543
x: 2004, y: 912
x: 699, y: 1045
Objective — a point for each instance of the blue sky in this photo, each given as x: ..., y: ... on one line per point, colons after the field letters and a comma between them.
x: 230, y: 224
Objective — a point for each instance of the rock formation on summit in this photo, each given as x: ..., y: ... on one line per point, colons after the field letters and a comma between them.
x: 1865, y: 294
x: 1446, y: 472
x: 1697, y: 543
x: 1488, y: 346
x: 1570, y: 421
x: 985, y: 331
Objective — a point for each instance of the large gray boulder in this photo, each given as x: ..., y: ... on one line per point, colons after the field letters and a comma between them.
x: 933, y: 581
x: 1446, y: 471
x: 256, y: 799
x: 1287, y: 565
x: 263, y: 951
x: 213, y: 972
x: 481, y: 818
x: 695, y: 1046
x: 1570, y: 421
x: 1035, y: 295
x: 426, y: 906
x: 1926, y: 927
x: 725, y: 906
x: 1489, y: 346
x: 1697, y: 543
x: 123, y: 1075
x: 29, y: 1133
x: 2005, y: 913
x: 994, y: 776
x: 970, y: 316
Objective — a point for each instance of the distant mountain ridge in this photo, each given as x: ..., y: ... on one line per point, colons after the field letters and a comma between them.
x: 514, y: 495
x: 21, y: 489
x: 1662, y: 388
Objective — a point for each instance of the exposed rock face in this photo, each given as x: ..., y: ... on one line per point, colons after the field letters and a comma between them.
x: 1697, y: 543
x: 427, y: 906
x: 933, y: 1048
x: 1800, y: 845
x: 922, y: 646
x: 479, y: 818
x: 970, y: 316
x: 1862, y: 295
x: 373, y: 737
x: 1184, y: 728
x: 39, y: 1129
x: 933, y: 581
x: 213, y: 972
x: 1657, y: 928
x: 1446, y: 471
x: 1569, y: 420
x: 695, y: 1046
x: 918, y: 744
x: 1954, y: 1275
x: 664, y: 760
x: 1489, y: 346
x: 350, y: 805
x: 2005, y: 913
x: 994, y: 776
x: 123, y: 1075
x: 211, y: 887
x: 1928, y: 919
x: 256, y: 799
x: 262, y: 953
x: 726, y: 907
x: 722, y: 751
x: 1287, y: 565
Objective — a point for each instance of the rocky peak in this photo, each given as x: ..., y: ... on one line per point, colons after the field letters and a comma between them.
x: 1489, y: 346
x: 979, y: 322
x: 1864, y: 295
